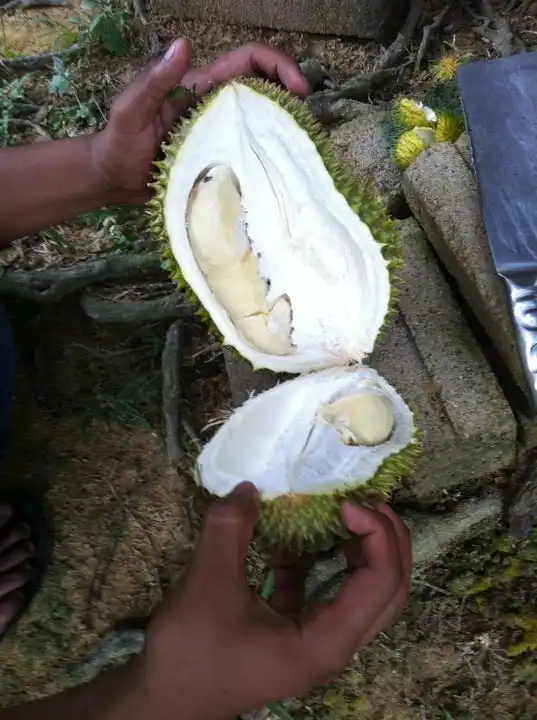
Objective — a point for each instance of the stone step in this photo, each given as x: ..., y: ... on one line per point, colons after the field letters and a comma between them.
x: 368, y: 19
x: 431, y: 357
x: 442, y: 193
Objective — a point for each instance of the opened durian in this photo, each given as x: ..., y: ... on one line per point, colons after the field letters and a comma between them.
x: 292, y: 261
x: 309, y: 443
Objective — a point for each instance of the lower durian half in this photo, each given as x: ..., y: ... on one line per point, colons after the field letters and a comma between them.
x: 308, y: 444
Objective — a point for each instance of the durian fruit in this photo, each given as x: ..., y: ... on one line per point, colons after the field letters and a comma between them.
x: 408, y: 114
x: 293, y: 262
x: 449, y: 127
x: 309, y: 443
x: 411, y: 144
x: 312, y: 243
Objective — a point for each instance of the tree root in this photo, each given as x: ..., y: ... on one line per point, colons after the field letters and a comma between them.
x: 523, y: 512
x: 37, y: 62
x: 32, y: 4
x: 428, y: 30
x: 171, y: 392
x: 394, y: 53
x: 140, y: 11
x: 496, y: 30
x: 107, y: 310
x: 49, y: 286
x: 355, y: 88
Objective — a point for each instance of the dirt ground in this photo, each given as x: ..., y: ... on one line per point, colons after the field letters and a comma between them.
x: 88, y: 441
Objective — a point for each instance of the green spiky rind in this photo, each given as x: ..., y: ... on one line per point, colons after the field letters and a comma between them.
x: 360, y: 194
x: 403, y: 120
x: 312, y: 523
x: 456, y: 119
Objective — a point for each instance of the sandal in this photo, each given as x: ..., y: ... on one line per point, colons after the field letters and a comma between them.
x: 26, y: 510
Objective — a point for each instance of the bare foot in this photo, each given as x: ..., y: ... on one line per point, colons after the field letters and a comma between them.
x: 15, y: 552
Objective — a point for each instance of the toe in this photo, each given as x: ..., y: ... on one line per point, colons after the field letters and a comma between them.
x: 16, y: 534
x: 6, y: 513
x: 15, y: 556
x: 10, y: 606
x: 14, y: 580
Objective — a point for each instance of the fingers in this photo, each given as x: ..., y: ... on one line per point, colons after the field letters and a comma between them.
x: 250, y: 59
x: 373, y: 593
x: 139, y: 104
x: 227, y: 532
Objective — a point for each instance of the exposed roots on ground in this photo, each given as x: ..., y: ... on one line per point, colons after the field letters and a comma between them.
x: 37, y: 62
x: 110, y: 310
x: 49, y: 286
x: 171, y: 392
x: 29, y: 4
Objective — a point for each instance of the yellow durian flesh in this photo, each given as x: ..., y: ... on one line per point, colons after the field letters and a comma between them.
x: 366, y: 419
x: 219, y: 241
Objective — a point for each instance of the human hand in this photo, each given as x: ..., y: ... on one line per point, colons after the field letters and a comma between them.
x: 141, y: 117
x: 215, y: 649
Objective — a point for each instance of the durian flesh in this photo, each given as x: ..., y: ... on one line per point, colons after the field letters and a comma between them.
x: 303, y: 465
x: 291, y: 276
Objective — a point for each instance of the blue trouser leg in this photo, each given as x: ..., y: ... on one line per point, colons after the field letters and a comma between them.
x: 7, y: 377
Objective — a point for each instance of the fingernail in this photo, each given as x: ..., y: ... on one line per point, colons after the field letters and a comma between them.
x: 173, y: 50
x: 244, y: 489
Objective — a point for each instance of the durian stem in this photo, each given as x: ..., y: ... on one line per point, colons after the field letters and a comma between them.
x: 49, y: 286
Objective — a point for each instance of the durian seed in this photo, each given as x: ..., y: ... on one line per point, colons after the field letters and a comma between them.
x: 361, y: 419
x: 215, y: 220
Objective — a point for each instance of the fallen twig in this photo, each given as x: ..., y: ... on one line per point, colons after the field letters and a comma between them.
x: 107, y: 310
x: 31, y: 4
x: 49, y: 286
x: 37, y: 62
x: 21, y: 122
x: 428, y: 30
x: 171, y: 392
x: 393, y: 54
x: 139, y: 11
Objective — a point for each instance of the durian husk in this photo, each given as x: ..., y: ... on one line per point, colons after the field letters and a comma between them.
x: 449, y: 127
x: 359, y: 193
x: 307, y: 524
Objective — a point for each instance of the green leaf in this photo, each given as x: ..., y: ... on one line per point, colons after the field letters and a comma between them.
x: 106, y: 30
x: 267, y: 588
x: 58, y: 84
x: 87, y: 5
x: 279, y: 710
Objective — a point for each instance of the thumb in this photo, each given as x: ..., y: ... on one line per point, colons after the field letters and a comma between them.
x: 139, y: 104
x: 223, y: 544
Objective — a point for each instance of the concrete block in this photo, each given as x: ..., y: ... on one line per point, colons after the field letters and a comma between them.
x: 442, y: 193
x: 469, y: 428
x: 363, y: 145
x: 368, y: 19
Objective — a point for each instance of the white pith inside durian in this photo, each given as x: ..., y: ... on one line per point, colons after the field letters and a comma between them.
x: 327, y: 283
x: 280, y: 442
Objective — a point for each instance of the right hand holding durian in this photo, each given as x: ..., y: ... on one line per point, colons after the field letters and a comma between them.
x: 216, y: 655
